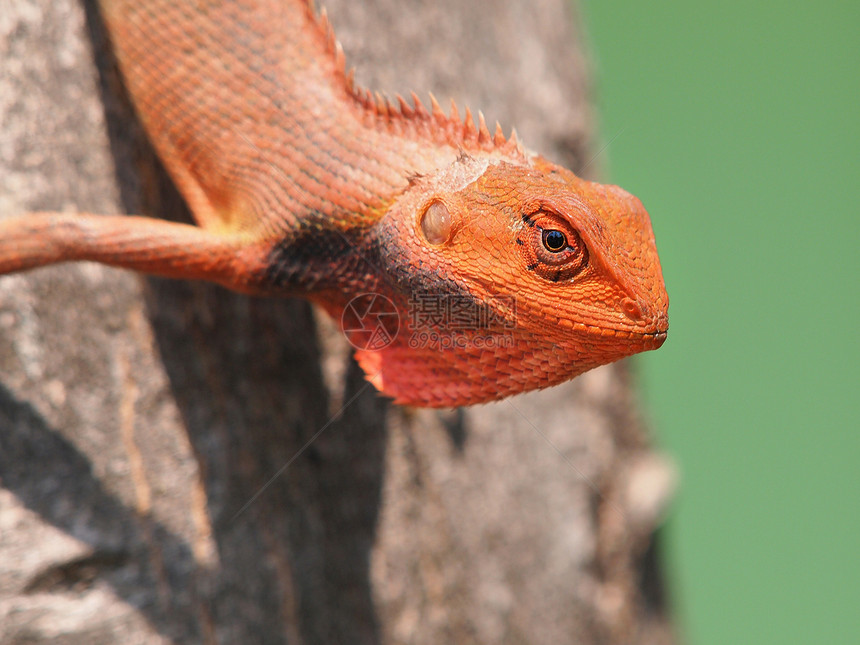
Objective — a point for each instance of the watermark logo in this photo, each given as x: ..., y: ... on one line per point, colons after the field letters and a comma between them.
x: 449, y: 321
x: 435, y: 321
x: 455, y: 313
x: 370, y: 322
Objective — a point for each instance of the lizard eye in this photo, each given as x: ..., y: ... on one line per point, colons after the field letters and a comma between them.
x: 551, y: 247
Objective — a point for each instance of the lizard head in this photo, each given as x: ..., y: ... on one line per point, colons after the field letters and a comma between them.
x: 510, y: 277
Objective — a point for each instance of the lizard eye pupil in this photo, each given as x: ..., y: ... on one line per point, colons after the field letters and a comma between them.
x: 554, y: 241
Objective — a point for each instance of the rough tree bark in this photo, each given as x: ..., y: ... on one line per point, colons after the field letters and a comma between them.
x: 182, y: 464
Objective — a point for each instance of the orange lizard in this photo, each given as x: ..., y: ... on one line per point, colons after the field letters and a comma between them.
x: 303, y: 184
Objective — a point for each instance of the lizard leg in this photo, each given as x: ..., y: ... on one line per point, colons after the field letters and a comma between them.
x: 142, y: 244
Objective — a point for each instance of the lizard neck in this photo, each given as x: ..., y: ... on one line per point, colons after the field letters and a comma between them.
x: 270, y: 135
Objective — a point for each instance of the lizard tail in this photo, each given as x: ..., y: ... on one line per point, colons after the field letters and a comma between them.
x: 142, y: 244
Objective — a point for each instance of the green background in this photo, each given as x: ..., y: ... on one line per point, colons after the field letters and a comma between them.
x: 736, y: 123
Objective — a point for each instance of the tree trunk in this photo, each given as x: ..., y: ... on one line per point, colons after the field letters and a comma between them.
x: 183, y: 464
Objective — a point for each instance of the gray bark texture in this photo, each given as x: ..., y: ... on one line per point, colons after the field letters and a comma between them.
x: 180, y: 464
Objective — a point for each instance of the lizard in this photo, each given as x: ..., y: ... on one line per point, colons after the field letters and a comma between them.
x: 304, y: 184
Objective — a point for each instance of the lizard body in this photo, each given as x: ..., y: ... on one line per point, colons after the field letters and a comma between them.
x: 303, y: 184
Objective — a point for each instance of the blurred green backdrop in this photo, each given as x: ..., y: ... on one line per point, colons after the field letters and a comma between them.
x: 736, y: 123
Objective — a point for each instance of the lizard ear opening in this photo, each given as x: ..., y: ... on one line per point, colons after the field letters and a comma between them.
x: 436, y: 223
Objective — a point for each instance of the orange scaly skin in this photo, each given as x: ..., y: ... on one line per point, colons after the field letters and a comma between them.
x: 304, y: 185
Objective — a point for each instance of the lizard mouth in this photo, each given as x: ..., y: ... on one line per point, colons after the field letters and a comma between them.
x: 655, y: 339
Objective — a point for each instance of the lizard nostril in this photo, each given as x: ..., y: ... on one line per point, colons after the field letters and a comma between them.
x: 631, y: 309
